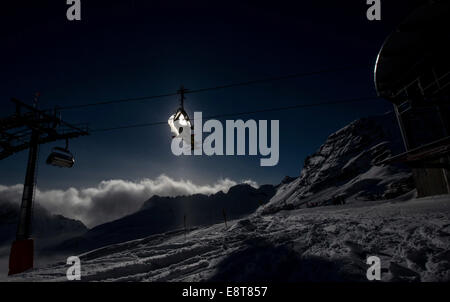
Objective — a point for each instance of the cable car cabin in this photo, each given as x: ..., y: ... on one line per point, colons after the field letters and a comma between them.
x: 180, y: 124
x: 413, y: 72
x: 61, y: 157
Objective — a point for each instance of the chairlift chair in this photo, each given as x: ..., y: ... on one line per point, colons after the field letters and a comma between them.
x: 180, y: 120
x: 61, y: 157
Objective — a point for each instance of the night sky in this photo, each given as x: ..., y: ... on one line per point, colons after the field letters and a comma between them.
x: 124, y: 49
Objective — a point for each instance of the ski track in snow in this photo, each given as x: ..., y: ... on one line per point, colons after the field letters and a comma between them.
x: 412, y: 238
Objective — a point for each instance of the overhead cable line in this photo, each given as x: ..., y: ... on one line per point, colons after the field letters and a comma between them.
x: 272, y: 79
x: 292, y: 107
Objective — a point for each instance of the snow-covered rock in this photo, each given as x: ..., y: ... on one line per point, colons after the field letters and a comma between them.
x: 346, y: 165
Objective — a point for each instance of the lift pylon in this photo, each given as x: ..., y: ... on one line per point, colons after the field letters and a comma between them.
x: 27, y: 129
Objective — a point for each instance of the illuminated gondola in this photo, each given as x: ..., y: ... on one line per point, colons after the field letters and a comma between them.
x: 180, y: 124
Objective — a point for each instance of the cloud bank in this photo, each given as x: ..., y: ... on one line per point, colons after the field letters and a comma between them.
x: 112, y: 199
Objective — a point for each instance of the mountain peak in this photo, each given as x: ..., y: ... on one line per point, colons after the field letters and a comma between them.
x: 162, y: 214
x: 345, y: 165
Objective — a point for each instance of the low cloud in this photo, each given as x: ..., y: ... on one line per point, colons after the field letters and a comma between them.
x: 112, y: 199
x: 251, y: 183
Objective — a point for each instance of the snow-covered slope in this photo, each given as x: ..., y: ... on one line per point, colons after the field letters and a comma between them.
x: 293, y: 238
x: 162, y: 214
x: 345, y: 165
x: 412, y: 239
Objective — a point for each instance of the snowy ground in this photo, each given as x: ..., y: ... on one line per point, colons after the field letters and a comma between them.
x: 412, y: 238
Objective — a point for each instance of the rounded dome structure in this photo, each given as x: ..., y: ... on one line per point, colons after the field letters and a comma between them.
x: 415, y: 57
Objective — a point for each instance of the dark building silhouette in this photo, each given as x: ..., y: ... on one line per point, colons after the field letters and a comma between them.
x: 413, y: 72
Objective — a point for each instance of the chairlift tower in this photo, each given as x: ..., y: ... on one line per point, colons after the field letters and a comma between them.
x: 27, y: 129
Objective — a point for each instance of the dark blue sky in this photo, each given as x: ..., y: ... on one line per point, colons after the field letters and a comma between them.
x: 126, y: 49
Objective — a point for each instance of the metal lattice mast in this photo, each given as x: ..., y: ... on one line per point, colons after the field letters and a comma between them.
x: 27, y: 129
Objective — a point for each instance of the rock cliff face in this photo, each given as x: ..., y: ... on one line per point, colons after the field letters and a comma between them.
x: 346, y: 166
